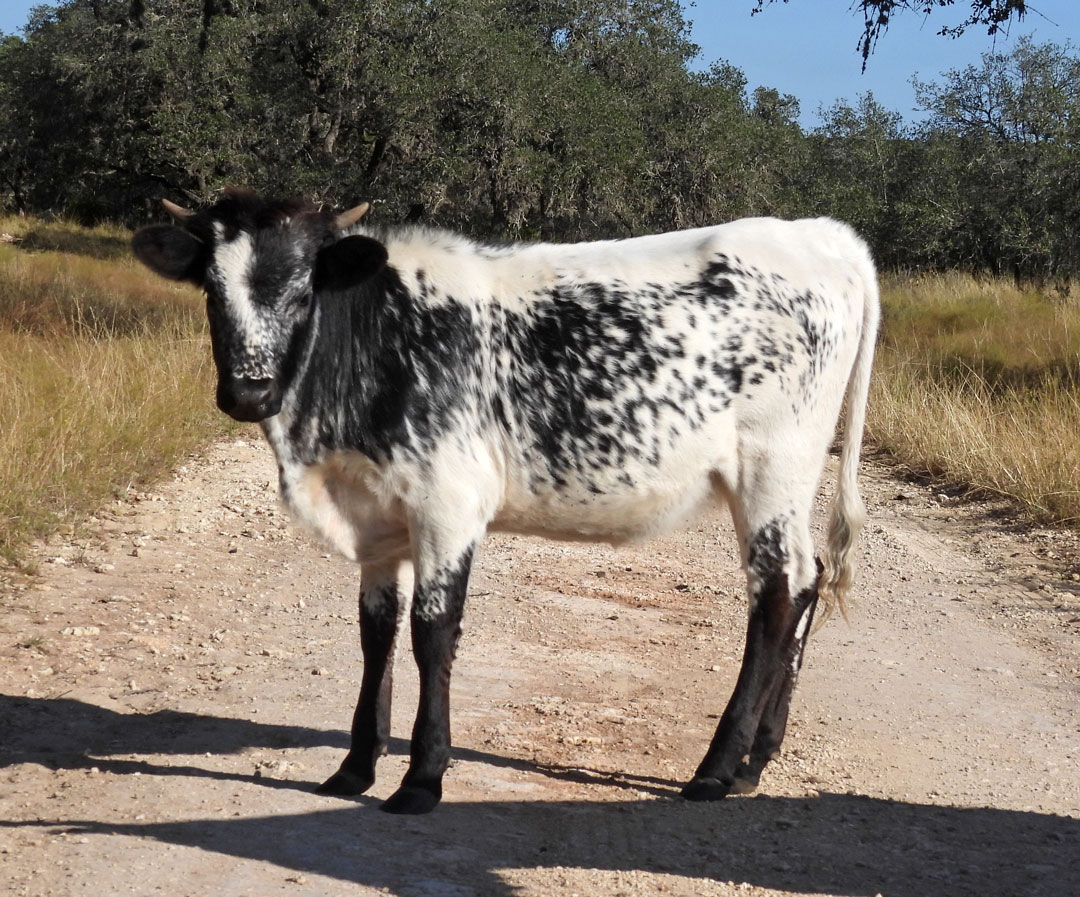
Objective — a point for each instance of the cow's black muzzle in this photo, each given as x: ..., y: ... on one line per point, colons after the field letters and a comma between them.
x: 248, y: 400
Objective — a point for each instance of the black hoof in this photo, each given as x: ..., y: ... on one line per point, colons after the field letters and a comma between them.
x: 411, y: 801
x: 706, y: 789
x: 345, y: 784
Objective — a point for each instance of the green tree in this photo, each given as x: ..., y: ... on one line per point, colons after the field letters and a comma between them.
x: 1012, y: 123
x: 15, y: 160
x: 854, y: 171
x: 1029, y: 95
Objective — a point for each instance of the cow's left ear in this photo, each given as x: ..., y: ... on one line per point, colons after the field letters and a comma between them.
x: 349, y: 262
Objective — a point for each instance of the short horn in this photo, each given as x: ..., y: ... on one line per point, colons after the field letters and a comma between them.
x: 178, y: 213
x: 349, y: 218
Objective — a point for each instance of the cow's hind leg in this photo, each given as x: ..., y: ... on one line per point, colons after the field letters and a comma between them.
x: 773, y: 723
x: 381, y: 610
x: 782, y: 580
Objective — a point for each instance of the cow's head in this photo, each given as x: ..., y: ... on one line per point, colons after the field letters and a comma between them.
x: 263, y: 265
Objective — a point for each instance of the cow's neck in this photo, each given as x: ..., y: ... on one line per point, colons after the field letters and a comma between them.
x: 350, y: 391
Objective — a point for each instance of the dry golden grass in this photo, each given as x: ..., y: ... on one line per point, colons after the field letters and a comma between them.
x: 105, y: 378
x: 53, y: 294
x: 977, y: 384
x: 106, y: 241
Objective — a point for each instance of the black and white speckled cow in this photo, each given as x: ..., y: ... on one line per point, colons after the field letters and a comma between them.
x: 419, y: 390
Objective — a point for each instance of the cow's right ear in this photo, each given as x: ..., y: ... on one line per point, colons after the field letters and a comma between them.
x: 171, y: 252
x: 348, y: 262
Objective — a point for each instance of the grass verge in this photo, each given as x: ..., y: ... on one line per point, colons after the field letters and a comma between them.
x: 105, y: 377
x: 977, y: 384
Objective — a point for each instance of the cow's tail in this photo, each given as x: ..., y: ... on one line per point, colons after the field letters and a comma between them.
x: 848, y: 513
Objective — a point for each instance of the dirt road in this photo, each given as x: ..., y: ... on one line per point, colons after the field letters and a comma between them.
x: 177, y: 681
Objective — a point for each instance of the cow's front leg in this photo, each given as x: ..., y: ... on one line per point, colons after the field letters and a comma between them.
x: 438, y: 605
x: 381, y: 611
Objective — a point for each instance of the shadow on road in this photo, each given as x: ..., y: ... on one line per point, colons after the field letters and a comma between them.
x: 834, y: 844
x: 62, y: 733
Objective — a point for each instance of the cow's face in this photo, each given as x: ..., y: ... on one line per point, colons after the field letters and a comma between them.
x: 263, y: 266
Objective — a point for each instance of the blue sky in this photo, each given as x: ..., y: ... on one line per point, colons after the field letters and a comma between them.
x: 809, y: 47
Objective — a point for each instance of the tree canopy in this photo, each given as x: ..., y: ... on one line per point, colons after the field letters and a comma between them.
x: 559, y: 119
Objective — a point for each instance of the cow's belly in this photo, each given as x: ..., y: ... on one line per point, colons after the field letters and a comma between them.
x: 614, y: 519
x: 622, y: 506
x: 363, y: 509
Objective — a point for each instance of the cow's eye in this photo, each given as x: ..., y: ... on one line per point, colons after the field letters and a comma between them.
x: 304, y: 299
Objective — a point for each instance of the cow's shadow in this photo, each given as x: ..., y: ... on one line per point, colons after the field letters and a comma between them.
x: 833, y: 844
x: 62, y: 733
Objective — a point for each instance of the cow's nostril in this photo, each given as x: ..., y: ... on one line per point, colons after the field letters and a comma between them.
x: 254, y: 392
x: 248, y: 399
